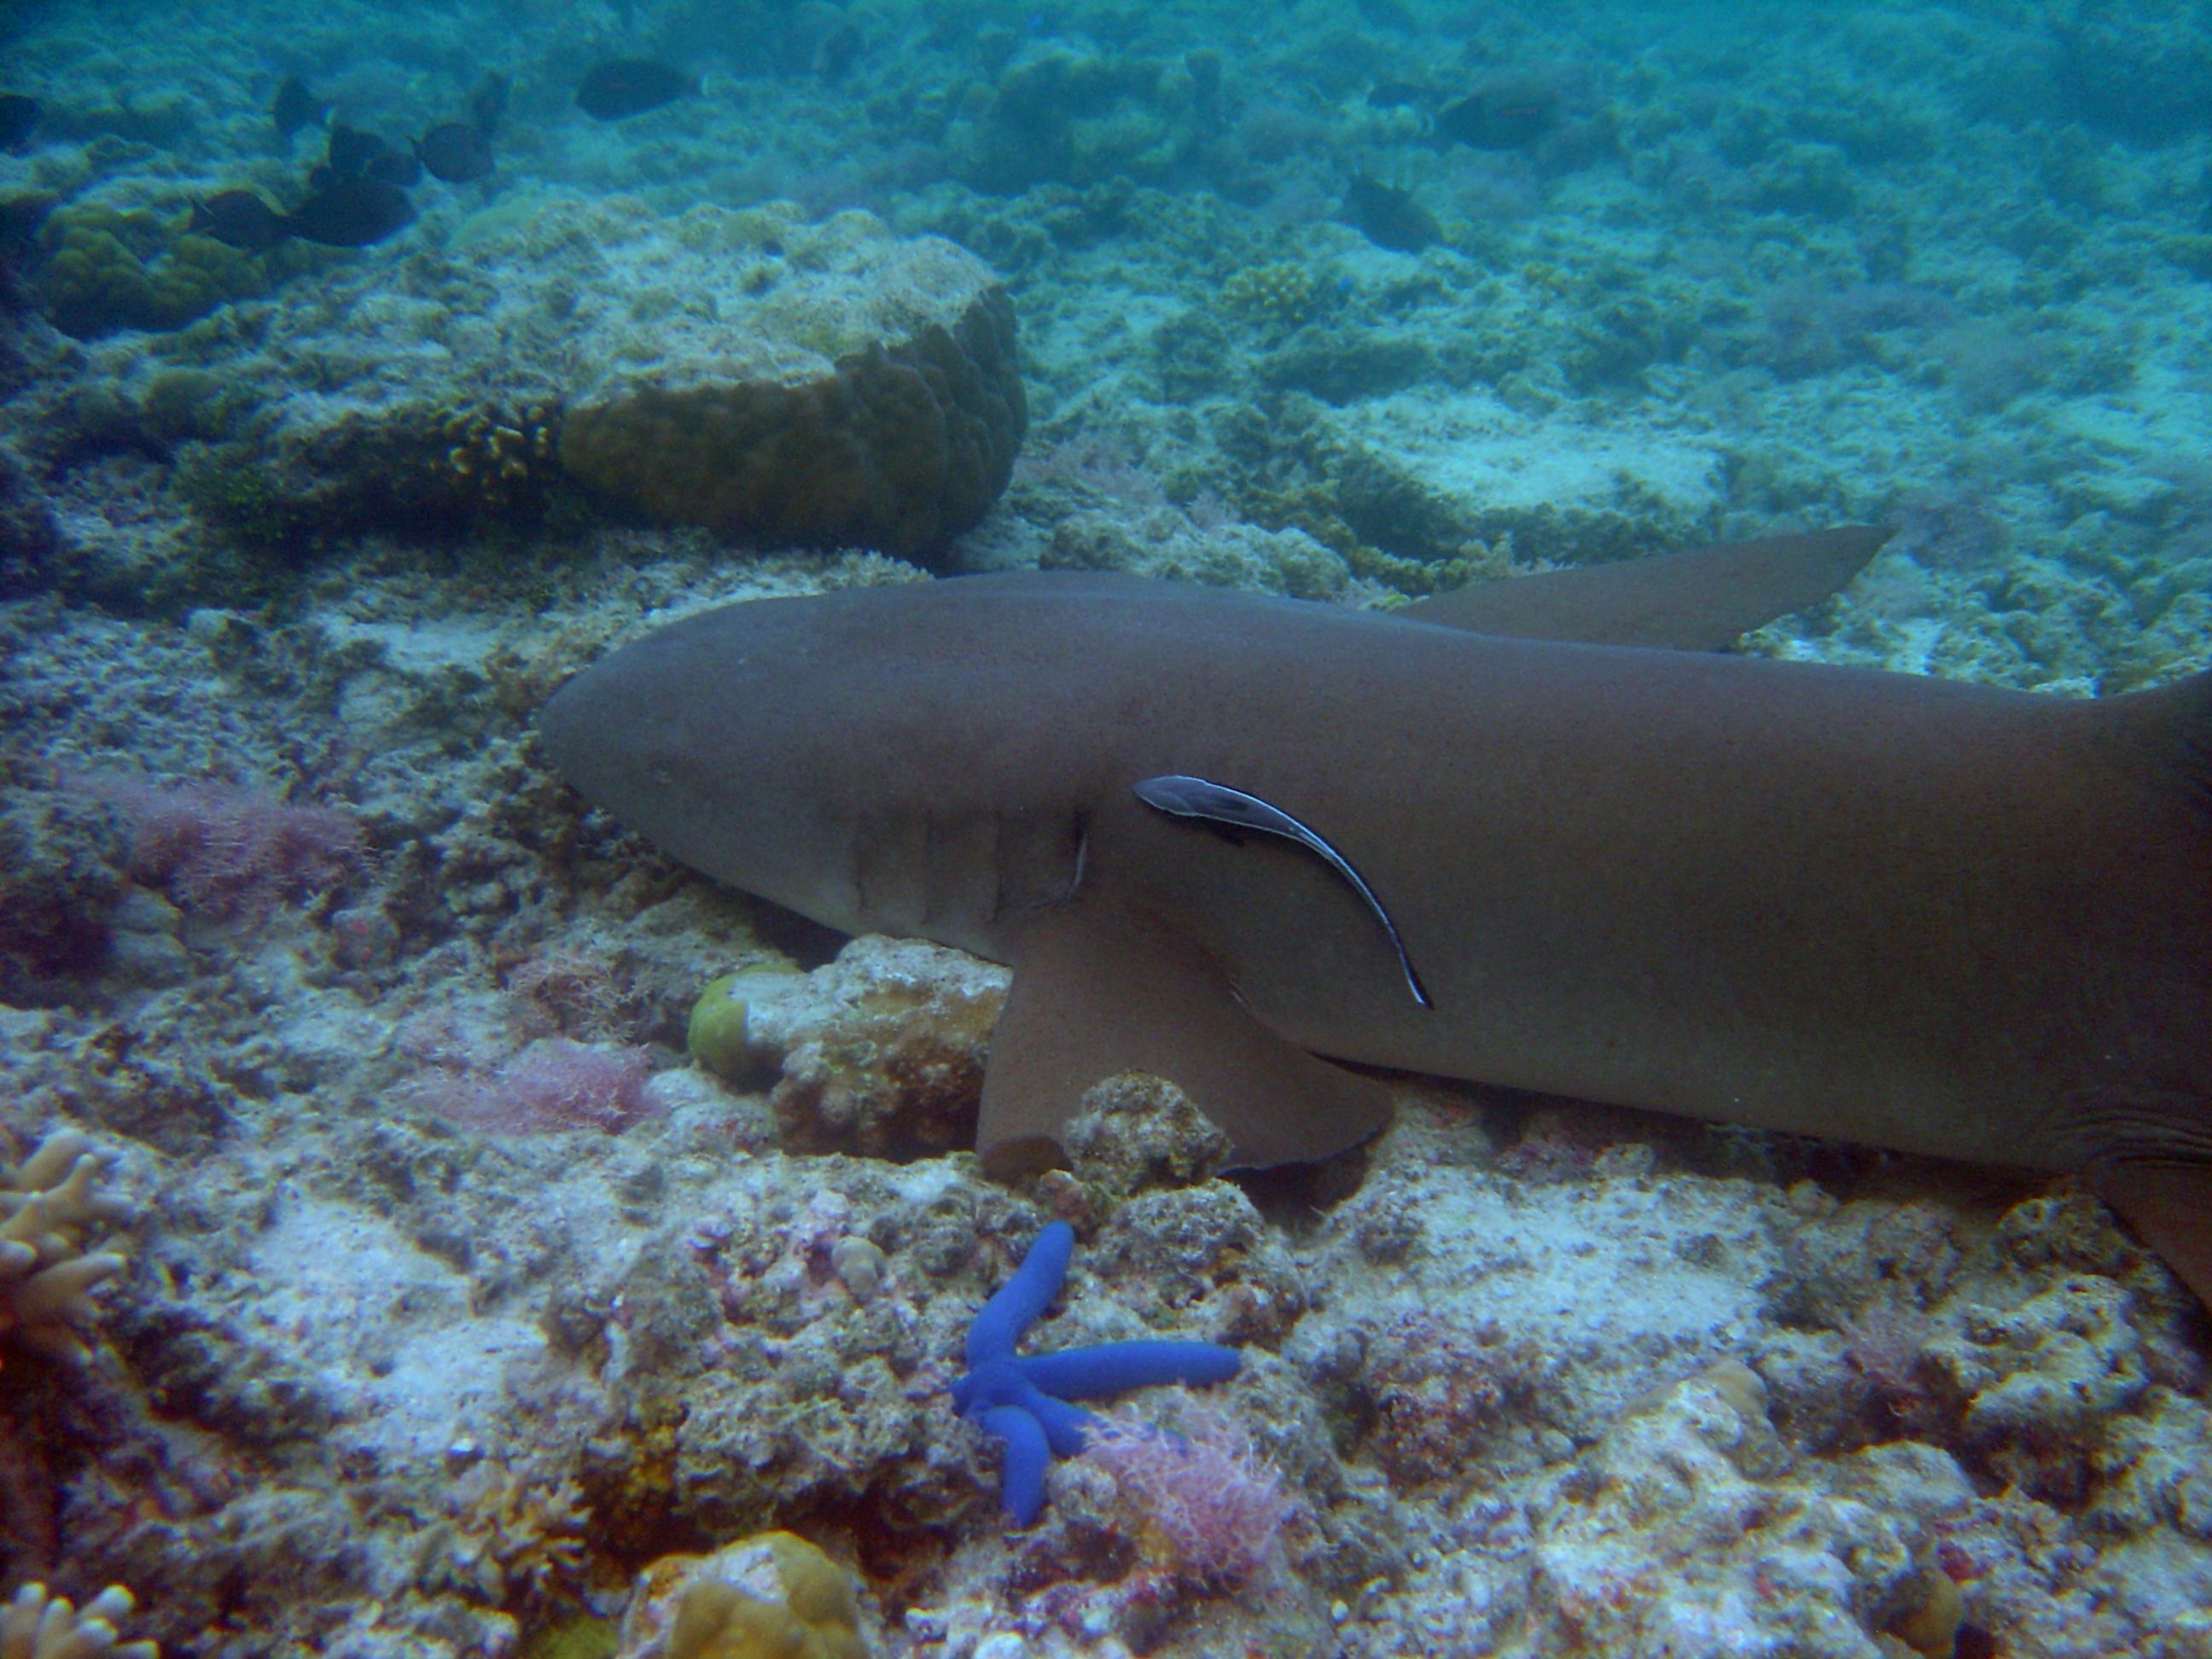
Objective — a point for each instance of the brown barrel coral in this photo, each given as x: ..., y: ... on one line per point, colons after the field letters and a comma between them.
x: 776, y: 381
x: 862, y: 392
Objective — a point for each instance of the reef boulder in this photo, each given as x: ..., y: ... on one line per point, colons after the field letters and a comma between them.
x: 825, y: 385
x: 774, y: 380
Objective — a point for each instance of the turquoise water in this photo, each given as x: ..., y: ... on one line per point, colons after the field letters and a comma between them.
x: 461, y: 1277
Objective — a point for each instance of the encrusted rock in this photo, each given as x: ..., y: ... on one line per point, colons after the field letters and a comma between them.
x: 1137, y: 1131
x: 881, y: 1052
x: 62, y: 865
x: 1693, y: 1488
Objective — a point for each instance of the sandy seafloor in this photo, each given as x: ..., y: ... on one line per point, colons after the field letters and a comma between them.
x: 396, y: 1369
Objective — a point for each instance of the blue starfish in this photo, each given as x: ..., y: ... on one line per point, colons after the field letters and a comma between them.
x: 1023, y: 1402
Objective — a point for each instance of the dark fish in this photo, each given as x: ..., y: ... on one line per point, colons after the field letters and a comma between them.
x: 396, y: 167
x: 487, y: 102
x: 239, y: 218
x: 455, y: 152
x: 631, y: 85
x: 19, y: 113
x: 19, y: 219
x: 351, y: 152
x: 1389, y: 217
x: 352, y: 213
x: 295, y: 107
x: 1510, y: 113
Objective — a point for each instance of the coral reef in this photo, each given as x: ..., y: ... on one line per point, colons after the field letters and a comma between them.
x: 53, y: 1208
x: 1531, y: 1380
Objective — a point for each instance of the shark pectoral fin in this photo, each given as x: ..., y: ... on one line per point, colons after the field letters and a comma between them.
x: 2170, y: 1207
x: 1098, y: 991
x: 1695, y: 601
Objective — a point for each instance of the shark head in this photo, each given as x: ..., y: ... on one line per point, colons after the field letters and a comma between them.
x: 801, y: 749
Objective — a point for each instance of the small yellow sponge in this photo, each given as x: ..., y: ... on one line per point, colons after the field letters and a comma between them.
x: 720, y: 1035
x: 772, y: 1595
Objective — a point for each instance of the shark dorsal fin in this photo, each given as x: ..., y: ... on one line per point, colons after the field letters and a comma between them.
x: 1695, y: 601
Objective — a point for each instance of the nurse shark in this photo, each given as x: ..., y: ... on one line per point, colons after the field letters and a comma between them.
x: 1536, y: 833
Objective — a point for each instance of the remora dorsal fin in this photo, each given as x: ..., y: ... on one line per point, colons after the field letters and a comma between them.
x: 1694, y: 601
x: 1182, y: 796
x: 1098, y: 991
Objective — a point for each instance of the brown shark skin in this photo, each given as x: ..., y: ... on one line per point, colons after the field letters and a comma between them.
x: 1941, y: 918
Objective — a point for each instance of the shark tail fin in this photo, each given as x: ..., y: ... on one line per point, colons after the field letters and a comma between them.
x: 2164, y: 1192
x: 2175, y: 722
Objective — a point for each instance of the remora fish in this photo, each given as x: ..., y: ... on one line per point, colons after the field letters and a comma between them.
x: 1943, y: 918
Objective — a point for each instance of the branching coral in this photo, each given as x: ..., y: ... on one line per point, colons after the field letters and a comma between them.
x: 1280, y: 296
x: 35, y: 1626
x: 500, y: 458
x: 50, y: 1206
x: 524, y: 1534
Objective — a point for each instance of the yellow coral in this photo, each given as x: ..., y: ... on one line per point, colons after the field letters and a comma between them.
x: 1282, y: 295
x: 50, y: 1207
x: 496, y: 457
x: 35, y: 1626
x: 772, y: 1595
x: 106, y: 270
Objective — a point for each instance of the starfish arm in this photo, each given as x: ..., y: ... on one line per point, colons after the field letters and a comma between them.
x: 1064, y: 1425
x: 1021, y: 1478
x: 1109, y: 1368
x: 1014, y: 1309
